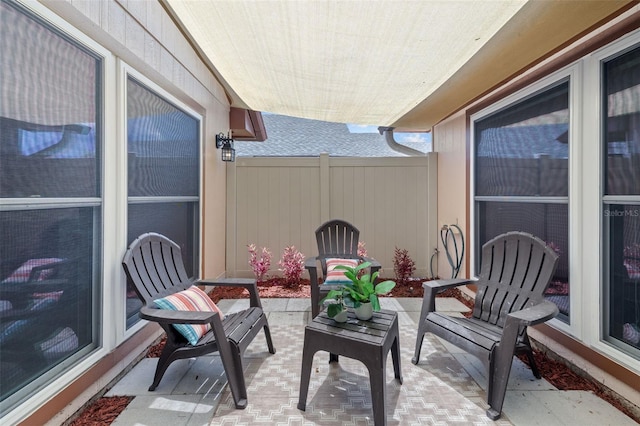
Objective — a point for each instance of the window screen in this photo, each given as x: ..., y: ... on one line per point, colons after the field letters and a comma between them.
x: 163, y: 144
x: 621, y: 208
x: 522, y: 177
x: 50, y: 216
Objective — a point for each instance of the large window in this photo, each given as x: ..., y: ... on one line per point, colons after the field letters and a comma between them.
x: 163, y: 175
x: 621, y: 201
x: 50, y: 214
x: 521, y: 177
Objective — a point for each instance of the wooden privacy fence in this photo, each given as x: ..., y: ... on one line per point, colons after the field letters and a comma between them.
x: 276, y: 202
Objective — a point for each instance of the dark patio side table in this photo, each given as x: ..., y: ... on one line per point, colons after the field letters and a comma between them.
x: 366, y: 341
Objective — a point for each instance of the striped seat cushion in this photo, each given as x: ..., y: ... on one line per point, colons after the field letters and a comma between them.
x: 336, y: 276
x: 191, y: 299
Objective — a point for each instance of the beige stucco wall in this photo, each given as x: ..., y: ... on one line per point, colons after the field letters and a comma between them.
x: 142, y: 34
x: 450, y: 141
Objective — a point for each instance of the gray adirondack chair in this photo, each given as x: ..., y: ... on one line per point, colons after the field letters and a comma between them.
x: 336, y: 239
x: 154, y: 265
x: 515, y: 272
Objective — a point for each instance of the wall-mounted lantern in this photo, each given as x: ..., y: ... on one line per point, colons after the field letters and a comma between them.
x: 226, y: 143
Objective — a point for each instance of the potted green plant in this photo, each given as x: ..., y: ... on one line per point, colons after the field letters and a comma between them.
x: 361, y: 292
x: 336, y: 308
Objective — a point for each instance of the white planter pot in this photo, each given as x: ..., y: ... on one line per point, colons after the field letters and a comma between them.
x: 341, y: 317
x: 364, y: 312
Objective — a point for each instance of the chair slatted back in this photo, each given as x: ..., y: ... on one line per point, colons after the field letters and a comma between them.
x: 515, y: 272
x: 154, y: 265
x: 337, y: 239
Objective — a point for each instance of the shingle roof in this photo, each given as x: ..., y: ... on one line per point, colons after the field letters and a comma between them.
x: 300, y: 137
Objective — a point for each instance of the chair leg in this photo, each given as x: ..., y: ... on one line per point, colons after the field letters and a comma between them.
x: 529, y: 352
x: 166, y: 358
x: 499, y: 370
x: 305, y: 374
x: 416, y: 354
x: 241, y: 401
x: 533, y: 365
x: 267, y: 334
x: 428, y: 305
x: 229, y: 355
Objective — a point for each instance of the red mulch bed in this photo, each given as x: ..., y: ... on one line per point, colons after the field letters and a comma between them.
x: 562, y: 377
x: 105, y: 410
x: 278, y: 287
x: 102, y: 412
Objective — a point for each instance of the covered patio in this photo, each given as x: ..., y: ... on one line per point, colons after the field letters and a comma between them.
x: 448, y: 386
x: 112, y: 115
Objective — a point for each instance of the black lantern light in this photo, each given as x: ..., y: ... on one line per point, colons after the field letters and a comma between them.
x: 226, y: 143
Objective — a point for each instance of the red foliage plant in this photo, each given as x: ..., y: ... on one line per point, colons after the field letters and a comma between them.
x: 259, y: 265
x: 403, y: 265
x: 292, y: 264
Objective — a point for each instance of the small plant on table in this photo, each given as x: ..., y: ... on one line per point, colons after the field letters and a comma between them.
x: 360, y: 291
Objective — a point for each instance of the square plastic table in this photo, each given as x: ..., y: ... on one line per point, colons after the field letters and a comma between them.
x: 366, y: 341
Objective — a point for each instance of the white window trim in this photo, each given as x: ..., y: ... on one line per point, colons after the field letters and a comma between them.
x: 592, y: 177
x: 124, y: 71
x: 586, y: 242
x: 43, y: 394
x: 574, y: 73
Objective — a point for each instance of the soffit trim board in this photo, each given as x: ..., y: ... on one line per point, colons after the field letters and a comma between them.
x: 502, y: 59
x: 629, y: 24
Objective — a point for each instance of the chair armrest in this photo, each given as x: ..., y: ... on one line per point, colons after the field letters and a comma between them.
x: 517, y: 321
x: 311, y: 262
x: 431, y: 288
x: 440, y: 285
x: 227, y: 282
x: 536, y: 314
x: 248, y: 283
x: 166, y: 316
x: 311, y: 265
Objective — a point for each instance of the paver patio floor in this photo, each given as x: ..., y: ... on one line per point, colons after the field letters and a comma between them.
x: 447, y: 387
